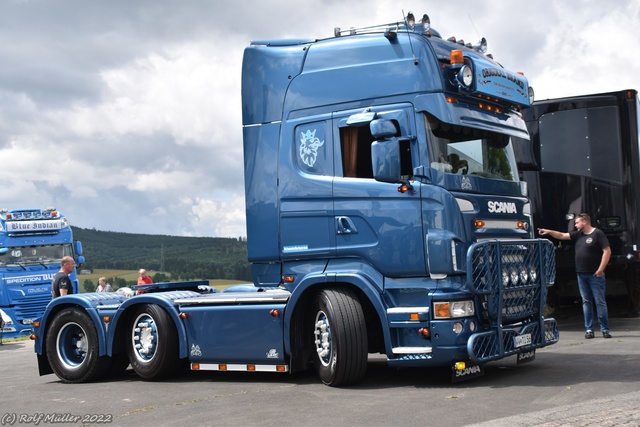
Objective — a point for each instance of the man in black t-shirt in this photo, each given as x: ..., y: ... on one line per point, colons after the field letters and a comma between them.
x: 592, y: 256
x: 61, y: 284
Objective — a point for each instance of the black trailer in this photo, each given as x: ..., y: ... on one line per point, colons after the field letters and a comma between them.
x: 583, y: 156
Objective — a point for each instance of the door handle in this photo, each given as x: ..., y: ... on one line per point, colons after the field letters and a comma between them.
x: 344, y: 225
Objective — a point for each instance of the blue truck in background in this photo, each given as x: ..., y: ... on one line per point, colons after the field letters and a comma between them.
x: 384, y: 216
x: 32, y: 243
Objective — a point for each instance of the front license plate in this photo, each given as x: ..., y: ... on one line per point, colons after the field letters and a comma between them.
x: 522, y: 340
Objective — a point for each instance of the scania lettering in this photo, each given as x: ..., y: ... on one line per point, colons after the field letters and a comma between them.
x: 32, y: 243
x: 370, y: 160
x: 502, y: 207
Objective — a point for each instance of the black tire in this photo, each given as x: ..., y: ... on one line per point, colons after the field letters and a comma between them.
x: 339, y: 337
x: 152, y: 343
x: 72, y: 347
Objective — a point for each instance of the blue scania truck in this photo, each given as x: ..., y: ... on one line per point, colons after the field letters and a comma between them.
x: 32, y: 243
x: 384, y: 216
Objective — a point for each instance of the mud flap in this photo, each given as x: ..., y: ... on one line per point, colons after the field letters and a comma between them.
x: 527, y: 356
x: 471, y: 370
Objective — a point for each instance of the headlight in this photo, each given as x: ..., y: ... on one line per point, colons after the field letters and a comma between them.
x: 465, y: 76
x: 453, y: 309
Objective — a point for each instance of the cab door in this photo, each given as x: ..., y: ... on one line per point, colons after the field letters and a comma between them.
x: 374, y: 221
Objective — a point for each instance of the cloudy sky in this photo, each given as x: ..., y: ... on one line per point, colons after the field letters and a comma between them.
x: 126, y: 114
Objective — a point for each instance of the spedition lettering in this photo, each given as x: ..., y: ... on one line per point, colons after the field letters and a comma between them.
x: 33, y: 226
x: 496, y: 72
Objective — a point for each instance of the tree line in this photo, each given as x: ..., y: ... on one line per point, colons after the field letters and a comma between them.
x: 183, y: 258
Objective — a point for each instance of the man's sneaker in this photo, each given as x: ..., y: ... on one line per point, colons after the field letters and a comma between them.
x: 589, y: 335
x: 605, y: 334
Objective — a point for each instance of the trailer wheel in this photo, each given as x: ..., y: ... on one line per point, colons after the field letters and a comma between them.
x: 72, y: 347
x: 339, y: 336
x: 152, y: 346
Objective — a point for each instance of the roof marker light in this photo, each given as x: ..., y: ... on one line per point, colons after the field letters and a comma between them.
x: 391, y: 35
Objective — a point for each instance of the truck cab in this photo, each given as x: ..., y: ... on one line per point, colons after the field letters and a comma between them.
x: 381, y: 161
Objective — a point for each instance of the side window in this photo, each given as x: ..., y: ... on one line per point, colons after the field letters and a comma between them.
x: 355, y: 147
x: 311, y: 148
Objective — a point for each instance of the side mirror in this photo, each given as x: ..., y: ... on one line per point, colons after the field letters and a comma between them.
x: 381, y: 129
x: 77, y: 247
x: 385, y: 160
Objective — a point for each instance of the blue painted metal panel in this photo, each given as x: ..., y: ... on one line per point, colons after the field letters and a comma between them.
x: 235, y: 333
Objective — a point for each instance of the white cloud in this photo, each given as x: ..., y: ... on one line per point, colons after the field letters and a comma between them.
x: 127, y: 116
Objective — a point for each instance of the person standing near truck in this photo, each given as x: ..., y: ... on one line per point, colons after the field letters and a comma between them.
x: 103, y: 286
x: 592, y: 253
x: 61, y: 284
x: 143, y: 279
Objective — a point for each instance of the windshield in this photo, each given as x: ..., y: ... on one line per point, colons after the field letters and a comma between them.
x: 29, y: 255
x: 464, y: 150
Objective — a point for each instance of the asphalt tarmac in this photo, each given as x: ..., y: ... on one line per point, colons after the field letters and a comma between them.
x: 575, y: 382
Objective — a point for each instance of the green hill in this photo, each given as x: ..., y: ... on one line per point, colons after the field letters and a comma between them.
x: 184, y: 258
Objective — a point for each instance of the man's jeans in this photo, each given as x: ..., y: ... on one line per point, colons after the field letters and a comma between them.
x: 592, y: 290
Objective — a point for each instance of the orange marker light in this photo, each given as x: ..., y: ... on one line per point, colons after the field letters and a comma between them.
x: 414, y: 316
x: 456, y: 57
x: 441, y: 310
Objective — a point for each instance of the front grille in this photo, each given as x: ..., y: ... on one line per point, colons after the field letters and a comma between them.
x: 31, y: 307
x: 510, y: 280
x: 510, y: 277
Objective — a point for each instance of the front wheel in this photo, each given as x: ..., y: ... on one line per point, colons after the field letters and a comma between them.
x: 152, y: 345
x: 72, y: 347
x: 339, y: 336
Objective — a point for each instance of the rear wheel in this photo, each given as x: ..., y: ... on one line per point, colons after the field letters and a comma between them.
x: 339, y: 336
x: 72, y: 347
x: 152, y: 345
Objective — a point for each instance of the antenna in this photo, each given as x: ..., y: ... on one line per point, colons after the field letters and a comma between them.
x: 406, y: 26
x: 473, y: 25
